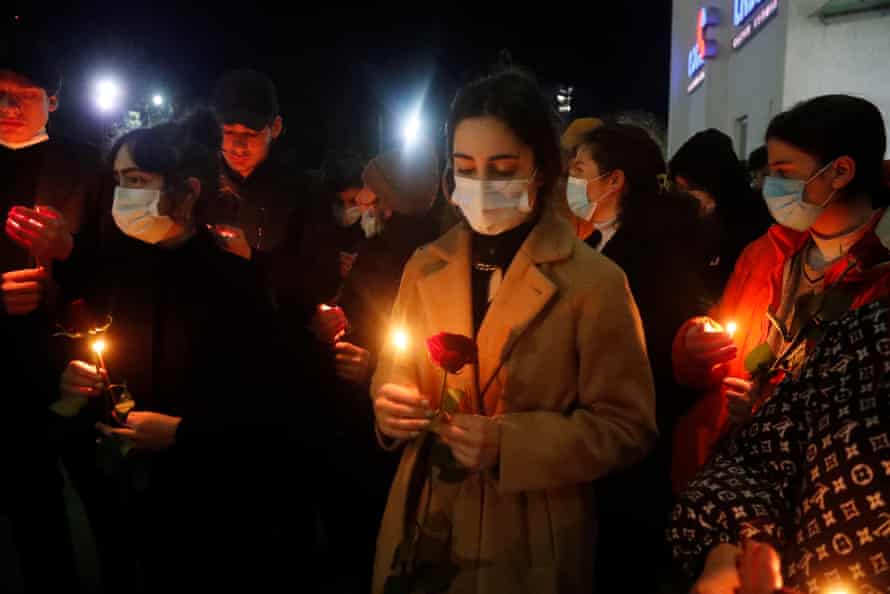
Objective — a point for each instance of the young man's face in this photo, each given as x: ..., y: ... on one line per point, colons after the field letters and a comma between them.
x: 245, y: 148
x: 24, y: 108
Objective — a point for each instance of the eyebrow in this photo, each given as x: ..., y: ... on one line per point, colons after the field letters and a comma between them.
x: 774, y: 163
x: 129, y: 170
x: 494, y: 158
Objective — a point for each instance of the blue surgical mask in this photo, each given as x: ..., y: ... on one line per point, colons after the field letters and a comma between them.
x: 784, y: 198
x: 576, y: 196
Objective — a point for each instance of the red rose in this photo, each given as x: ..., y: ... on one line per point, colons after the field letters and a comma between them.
x: 451, y: 352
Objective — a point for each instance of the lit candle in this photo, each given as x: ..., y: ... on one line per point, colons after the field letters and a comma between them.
x: 838, y: 589
x: 731, y: 328
x: 99, y: 348
x: 400, y: 340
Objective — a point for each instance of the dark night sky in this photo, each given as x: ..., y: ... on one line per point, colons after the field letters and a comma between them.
x: 337, y: 71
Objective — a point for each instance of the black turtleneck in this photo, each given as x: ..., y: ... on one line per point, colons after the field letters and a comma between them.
x: 488, y: 251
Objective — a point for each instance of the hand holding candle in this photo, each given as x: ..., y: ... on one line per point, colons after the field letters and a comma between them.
x: 709, y: 344
x: 41, y: 230
x: 401, y: 411
x: 329, y: 324
x: 80, y: 379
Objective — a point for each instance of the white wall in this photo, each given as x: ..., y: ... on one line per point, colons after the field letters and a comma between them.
x: 755, y: 81
x: 743, y: 82
x: 849, y: 56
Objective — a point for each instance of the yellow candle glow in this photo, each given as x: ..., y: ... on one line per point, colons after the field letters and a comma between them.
x: 400, y: 340
x: 838, y: 590
x: 712, y: 327
x: 98, y: 347
x: 731, y: 328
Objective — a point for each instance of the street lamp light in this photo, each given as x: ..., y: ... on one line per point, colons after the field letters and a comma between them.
x: 157, y: 100
x: 107, y: 94
x: 411, y: 130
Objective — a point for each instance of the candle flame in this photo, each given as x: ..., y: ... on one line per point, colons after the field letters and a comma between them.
x: 712, y: 327
x: 99, y: 346
x: 400, y: 339
x: 731, y: 328
x: 838, y: 590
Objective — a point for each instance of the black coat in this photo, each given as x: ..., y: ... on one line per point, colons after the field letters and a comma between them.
x: 272, y: 206
x: 660, y: 250
x: 194, y: 334
x: 69, y: 177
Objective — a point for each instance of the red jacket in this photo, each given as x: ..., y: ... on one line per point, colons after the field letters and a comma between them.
x: 754, y: 288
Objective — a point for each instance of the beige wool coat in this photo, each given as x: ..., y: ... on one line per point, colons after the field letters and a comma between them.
x: 575, y: 400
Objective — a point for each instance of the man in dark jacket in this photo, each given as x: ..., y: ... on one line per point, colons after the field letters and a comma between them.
x: 262, y: 209
x: 49, y: 188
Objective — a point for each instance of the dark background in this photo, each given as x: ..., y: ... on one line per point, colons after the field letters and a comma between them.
x: 341, y: 69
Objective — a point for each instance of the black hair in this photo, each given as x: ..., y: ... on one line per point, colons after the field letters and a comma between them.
x: 758, y: 159
x: 514, y: 97
x: 632, y: 150
x: 708, y: 162
x: 342, y: 171
x: 178, y: 150
x: 833, y: 126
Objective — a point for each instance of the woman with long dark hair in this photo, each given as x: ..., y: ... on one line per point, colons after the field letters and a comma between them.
x: 497, y: 495
x: 191, y: 480
x: 617, y: 187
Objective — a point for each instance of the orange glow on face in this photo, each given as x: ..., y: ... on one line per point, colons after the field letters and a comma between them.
x: 99, y: 346
x: 400, y: 340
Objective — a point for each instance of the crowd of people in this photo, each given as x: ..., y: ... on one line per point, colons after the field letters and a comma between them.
x: 672, y: 376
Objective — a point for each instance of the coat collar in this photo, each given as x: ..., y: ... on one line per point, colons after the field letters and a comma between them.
x: 446, y: 295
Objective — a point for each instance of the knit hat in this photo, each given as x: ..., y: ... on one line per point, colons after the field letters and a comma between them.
x: 406, y: 181
x: 571, y: 138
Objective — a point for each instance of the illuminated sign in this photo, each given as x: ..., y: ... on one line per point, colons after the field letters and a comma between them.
x: 742, y: 9
x: 704, y: 47
x: 763, y: 16
x: 696, y: 82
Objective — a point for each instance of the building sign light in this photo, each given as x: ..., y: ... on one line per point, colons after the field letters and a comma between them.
x: 704, y: 47
x: 761, y: 18
x: 742, y: 9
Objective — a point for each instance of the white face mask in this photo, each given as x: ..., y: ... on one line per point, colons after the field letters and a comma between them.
x: 492, y: 206
x: 347, y: 217
x: 372, y: 223
x: 135, y: 211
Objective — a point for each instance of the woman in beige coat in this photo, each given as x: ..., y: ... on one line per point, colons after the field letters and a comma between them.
x: 497, y: 497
